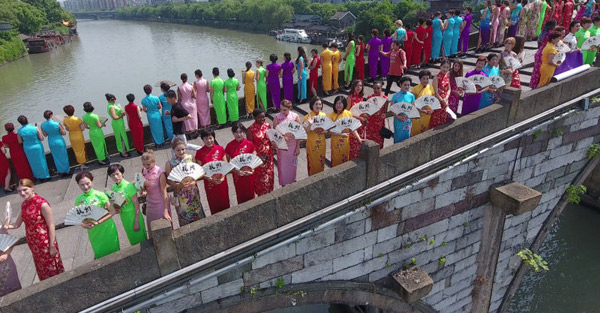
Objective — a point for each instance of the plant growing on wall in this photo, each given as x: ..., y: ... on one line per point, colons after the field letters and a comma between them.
x: 574, y: 192
x: 593, y: 151
x: 535, y: 261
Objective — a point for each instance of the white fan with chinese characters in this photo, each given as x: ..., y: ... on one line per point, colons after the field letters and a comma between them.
x: 344, y: 123
x: 278, y: 138
x: 512, y: 62
x: 481, y: 80
x: 428, y: 101
x: 246, y: 160
x: 292, y: 127
x: 365, y: 107
x: 115, y: 198
x: 498, y: 81
x: 323, y: 122
x: 7, y: 241
x: 591, y: 42
x: 406, y: 109
x: 217, y: 168
x: 559, y: 58
x: 185, y: 170
x: 466, y: 85
x: 563, y: 47
x: 139, y: 181
x: 83, y: 212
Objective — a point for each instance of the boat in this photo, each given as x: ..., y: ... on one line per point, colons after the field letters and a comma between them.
x: 294, y: 35
x: 38, y: 44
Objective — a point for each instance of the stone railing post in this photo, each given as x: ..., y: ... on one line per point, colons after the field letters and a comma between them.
x: 164, y: 246
x: 512, y: 198
x: 369, y: 152
x: 510, y: 97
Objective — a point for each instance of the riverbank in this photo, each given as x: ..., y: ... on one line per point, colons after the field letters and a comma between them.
x: 11, y: 48
x: 232, y: 25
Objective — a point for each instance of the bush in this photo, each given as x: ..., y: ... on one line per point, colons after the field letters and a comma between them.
x: 11, y: 49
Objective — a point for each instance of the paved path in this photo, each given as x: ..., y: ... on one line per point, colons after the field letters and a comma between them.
x: 61, y: 192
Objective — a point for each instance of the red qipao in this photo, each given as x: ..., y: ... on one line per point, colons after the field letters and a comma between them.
x: 136, y: 127
x: 428, y: 43
x: 360, y: 61
x: 17, y: 155
x: 264, y: 175
x: 38, y: 237
x: 216, y: 194
x: 440, y: 117
x: 244, y: 185
x: 4, y: 167
x: 354, y: 143
x: 417, y: 48
x: 314, y: 73
x: 408, y: 47
x: 374, y: 124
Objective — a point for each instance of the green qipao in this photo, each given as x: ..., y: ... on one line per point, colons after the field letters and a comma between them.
x: 118, y: 127
x: 96, y: 135
x: 103, y: 237
x: 261, y: 88
x: 218, y: 99
x: 128, y: 190
x: 232, y: 99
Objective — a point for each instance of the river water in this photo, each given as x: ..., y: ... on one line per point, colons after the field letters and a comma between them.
x: 572, y: 283
x: 120, y: 57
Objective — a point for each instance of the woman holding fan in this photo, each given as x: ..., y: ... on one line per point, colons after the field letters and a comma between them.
x: 217, y: 190
x: 186, y: 196
x: 287, y: 160
x: 264, y: 175
x: 39, y: 231
x: 315, y: 143
x: 340, y: 143
x: 242, y: 180
x: 133, y: 222
x: 157, y: 199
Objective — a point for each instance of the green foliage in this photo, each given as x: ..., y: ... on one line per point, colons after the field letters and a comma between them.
x: 431, y: 242
x: 444, y: 243
x: 574, y: 192
x: 557, y: 132
x: 11, y: 49
x: 381, y: 255
x: 466, y: 224
x: 442, y: 260
x: 535, y: 261
x: 280, y: 283
x: 413, y: 261
x: 30, y: 16
x: 537, y: 134
x: 424, y: 238
x: 407, y: 246
x: 593, y: 151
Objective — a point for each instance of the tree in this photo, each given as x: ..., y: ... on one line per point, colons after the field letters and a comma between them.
x: 324, y: 10
x: 379, y: 17
x: 301, y: 6
x: 405, y: 7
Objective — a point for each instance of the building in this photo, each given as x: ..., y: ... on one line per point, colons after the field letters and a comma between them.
x: 343, y: 20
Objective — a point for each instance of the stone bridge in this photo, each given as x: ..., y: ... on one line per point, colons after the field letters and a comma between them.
x: 95, y: 15
x: 441, y: 203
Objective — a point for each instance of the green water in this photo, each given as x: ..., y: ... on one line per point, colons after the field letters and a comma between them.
x: 572, y: 285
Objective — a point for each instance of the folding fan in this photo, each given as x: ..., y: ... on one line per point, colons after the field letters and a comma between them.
x: 186, y: 169
x: 7, y: 241
x: 512, y: 63
x: 406, y: 109
x: 115, y: 198
x: 9, y: 214
x: 591, y: 42
x: 365, y: 107
x: 278, y: 138
x: 217, y: 167
x: 466, y: 85
x: 498, y: 81
x: 482, y: 81
x: 103, y: 119
x: 194, y: 147
x: 563, y: 47
x: 571, y: 41
x: 378, y: 101
x: 559, y: 58
x: 139, y: 181
x: 428, y: 101
x: 246, y: 160
x: 344, y: 123
x: 323, y: 122
x: 78, y: 214
x: 292, y: 127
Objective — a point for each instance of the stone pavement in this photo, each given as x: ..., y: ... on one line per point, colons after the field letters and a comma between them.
x: 61, y: 192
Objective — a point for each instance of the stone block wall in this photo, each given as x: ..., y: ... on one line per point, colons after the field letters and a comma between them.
x: 438, y: 224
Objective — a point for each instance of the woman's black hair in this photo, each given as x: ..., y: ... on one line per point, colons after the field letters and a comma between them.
x: 338, y: 99
x: 183, y: 77
x: 69, y: 110
x: 165, y: 87
x: 257, y: 112
x: 83, y: 175
x: 287, y: 56
x: 22, y: 119
x: 47, y: 114
x: 198, y: 73
x: 230, y: 73
x: 248, y: 65
x: 312, y: 102
x: 405, y: 78
x: 424, y: 73
x: 110, y: 97
x: 114, y: 167
x: 215, y: 71
x: 273, y: 57
x: 147, y: 89
x: 238, y: 125
x: 88, y: 107
x: 491, y: 56
x: 205, y: 133
x: 130, y: 97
